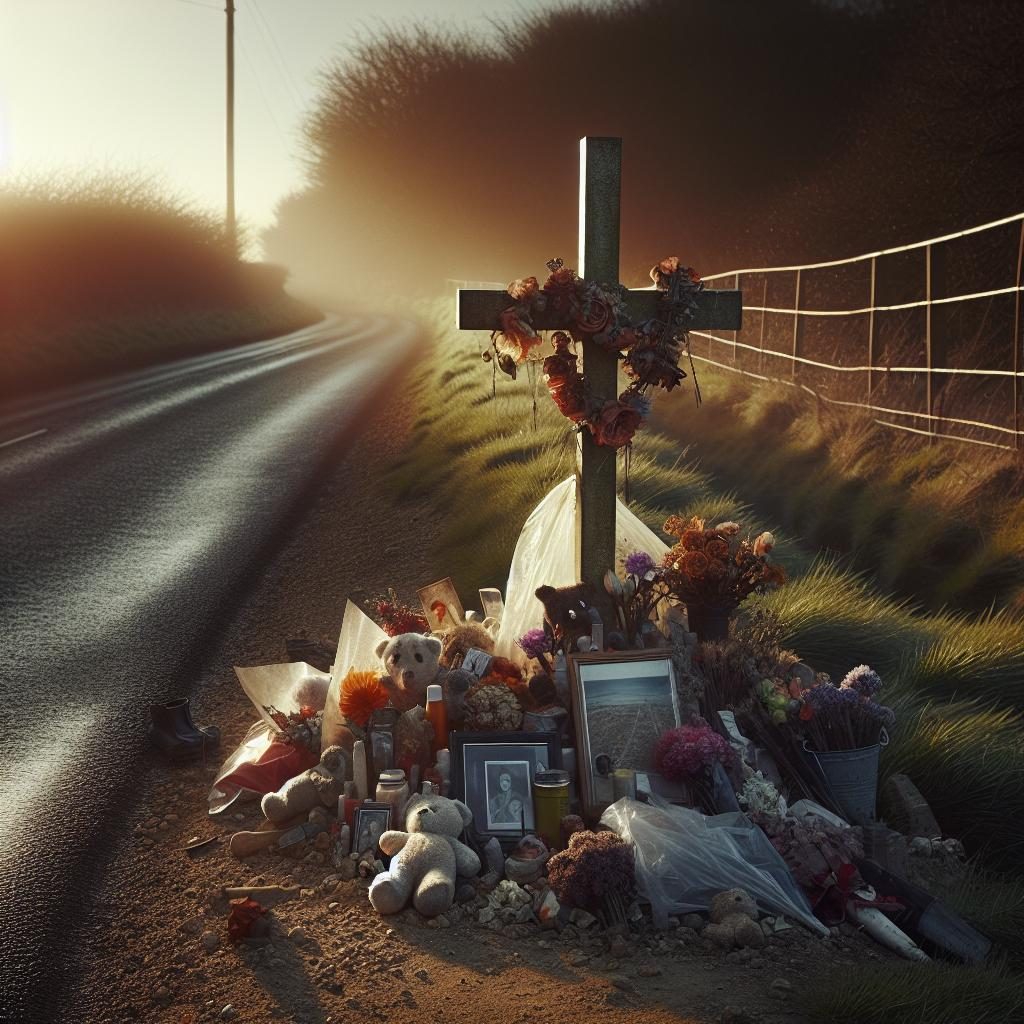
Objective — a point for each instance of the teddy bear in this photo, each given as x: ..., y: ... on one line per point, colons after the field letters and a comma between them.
x: 412, y: 662
x: 571, y: 612
x: 734, y: 920
x: 318, y: 786
x: 426, y: 858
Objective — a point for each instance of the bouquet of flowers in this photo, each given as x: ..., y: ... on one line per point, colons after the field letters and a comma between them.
x: 714, y: 567
x: 300, y: 728
x: 636, y: 595
x: 830, y: 717
x: 690, y: 752
x: 394, y: 616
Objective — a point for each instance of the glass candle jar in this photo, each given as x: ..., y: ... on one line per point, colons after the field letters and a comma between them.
x: 393, y: 790
x: 550, y: 805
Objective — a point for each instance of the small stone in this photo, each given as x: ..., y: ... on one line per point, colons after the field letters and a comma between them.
x: 578, y: 959
x: 465, y: 893
x: 486, y: 915
x: 581, y: 919
x: 333, y: 906
x: 780, y: 988
x: 162, y: 994
x: 694, y: 921
x: 210, y: 941
x: 648, y: 971
x: 297, y: 935
x: 622, y: 983
x: 423, y: 976
x: 322, y: 841
x: 347, y: 870
x: 920, y: 846
x: 228, y: 1013
x: 782, y: 925
x: 619, y: 949
x: 307, y: 893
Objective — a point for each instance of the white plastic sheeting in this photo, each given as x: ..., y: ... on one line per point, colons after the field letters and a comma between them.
x: 546, y: 554
x: 357, y: 649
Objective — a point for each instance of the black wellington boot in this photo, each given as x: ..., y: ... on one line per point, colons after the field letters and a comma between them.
x: 174, y: 733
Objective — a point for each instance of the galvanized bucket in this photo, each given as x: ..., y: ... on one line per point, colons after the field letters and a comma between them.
x: 852, y: 778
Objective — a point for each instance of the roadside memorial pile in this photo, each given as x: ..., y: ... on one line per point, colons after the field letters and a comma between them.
x: 620, y: 774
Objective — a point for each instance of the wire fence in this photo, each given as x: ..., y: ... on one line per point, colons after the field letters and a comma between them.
x: 925, y: 337
x: 939, y: 346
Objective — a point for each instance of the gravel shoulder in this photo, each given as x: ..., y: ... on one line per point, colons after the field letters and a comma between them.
x: 158, y: 948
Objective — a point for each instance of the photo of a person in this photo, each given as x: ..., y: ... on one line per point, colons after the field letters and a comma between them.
x: 509, y: 806
x: 371, y: 823
x: 441, y: 605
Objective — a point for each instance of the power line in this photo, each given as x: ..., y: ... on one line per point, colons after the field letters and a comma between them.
x: 263, y: 25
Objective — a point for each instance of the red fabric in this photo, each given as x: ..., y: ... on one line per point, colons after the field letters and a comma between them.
x: 272, y: 769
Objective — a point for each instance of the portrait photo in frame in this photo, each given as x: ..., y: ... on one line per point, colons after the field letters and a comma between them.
x: 622, y: 703
x: 492, y: 773
x: 372, y: 820
x: 441, y: 605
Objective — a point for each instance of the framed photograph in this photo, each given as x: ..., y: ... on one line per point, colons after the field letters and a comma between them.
x: 492, y: 772
x: 478, y: 662
x: 622, y: 702
x: 371, y: 822
x: 441, y: 605
x: 492, y: 603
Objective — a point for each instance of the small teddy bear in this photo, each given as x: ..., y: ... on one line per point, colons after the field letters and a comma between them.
x: 570, y: 612
x: 734, y: 921
x: 426, y: 858
x: 318, y: 786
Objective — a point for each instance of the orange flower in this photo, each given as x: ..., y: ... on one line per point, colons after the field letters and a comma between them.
x: 716, y: 568
x: 674, y: 526
x: 524, y: 288
x: 361, y: 695
x: 695, y: 563
x: 717, y: 548
x: 692, y: 540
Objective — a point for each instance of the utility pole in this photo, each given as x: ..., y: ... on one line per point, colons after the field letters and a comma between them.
x: 229, y: 220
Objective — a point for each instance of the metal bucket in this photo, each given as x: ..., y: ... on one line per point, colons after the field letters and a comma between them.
x: 852, y: 778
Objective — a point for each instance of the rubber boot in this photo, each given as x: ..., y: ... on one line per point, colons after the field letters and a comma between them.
x: 175, y: 735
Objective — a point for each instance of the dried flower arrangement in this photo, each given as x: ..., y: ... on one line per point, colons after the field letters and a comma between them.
x: 395, y: 616
x: 691, y: 751
x: 636, y: 595
x: 491, y: 705
x: 300, y: 728
x: 830, y: 717
x: 714, y: 568
x: 362, y: 693
x: 650, y: 351
x: 595, y: 873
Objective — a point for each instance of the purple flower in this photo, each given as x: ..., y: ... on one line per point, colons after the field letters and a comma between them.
x: 866, y: 681
x: 882, y: 713
x: 639, y: 563
x: 822, y: 696
x: 534, y: 643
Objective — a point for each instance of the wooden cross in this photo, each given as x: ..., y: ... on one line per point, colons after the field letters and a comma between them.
x: 600, y: 186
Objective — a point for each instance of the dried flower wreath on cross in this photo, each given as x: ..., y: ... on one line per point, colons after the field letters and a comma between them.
x: 650, y: 351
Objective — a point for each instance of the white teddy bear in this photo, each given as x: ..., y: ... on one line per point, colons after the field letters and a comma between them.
x: 425, y: 858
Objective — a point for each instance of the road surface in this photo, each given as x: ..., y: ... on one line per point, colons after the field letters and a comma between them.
x: 132, y: 514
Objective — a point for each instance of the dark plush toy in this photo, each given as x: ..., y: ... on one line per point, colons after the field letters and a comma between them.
x: 570, y: 612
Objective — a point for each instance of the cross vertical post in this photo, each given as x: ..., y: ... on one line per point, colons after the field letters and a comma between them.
x: 600, y: 190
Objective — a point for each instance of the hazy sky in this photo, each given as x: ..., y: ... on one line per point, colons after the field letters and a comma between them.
x: 139, y: 85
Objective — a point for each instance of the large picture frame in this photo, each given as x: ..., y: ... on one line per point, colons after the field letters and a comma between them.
x: 492, y: 773
x: 621, y: 703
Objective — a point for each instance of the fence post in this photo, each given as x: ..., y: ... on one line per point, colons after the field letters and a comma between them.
x: 764, y: 319
x: 928, y: 338
x: 871, y: 328
x: 735, y: 334
x: 1017, y: 341
x: 796, y: 325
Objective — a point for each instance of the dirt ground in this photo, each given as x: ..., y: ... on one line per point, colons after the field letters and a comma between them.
x: 160, y: 951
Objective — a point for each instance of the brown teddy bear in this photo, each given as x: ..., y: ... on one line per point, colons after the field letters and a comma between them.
x: 570, y: 612
x: 734, y: 921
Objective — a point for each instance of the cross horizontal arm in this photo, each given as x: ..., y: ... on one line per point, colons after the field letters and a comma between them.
x: 479, y: 310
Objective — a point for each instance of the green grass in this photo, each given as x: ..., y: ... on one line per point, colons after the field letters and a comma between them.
x: 942, y: 524
x: 904, y: 993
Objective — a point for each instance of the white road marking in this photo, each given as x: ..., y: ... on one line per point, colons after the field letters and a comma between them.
x: 24, y: 437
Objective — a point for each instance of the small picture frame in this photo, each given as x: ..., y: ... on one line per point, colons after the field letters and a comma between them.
x: 441, y: 605
x: 371, y: 822
x: 492, y: 603
x: 622, y: 702
x: 477, y: 662
x: 492, y: 773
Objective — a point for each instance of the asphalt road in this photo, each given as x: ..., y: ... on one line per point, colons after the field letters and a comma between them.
x: 132, y: 515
